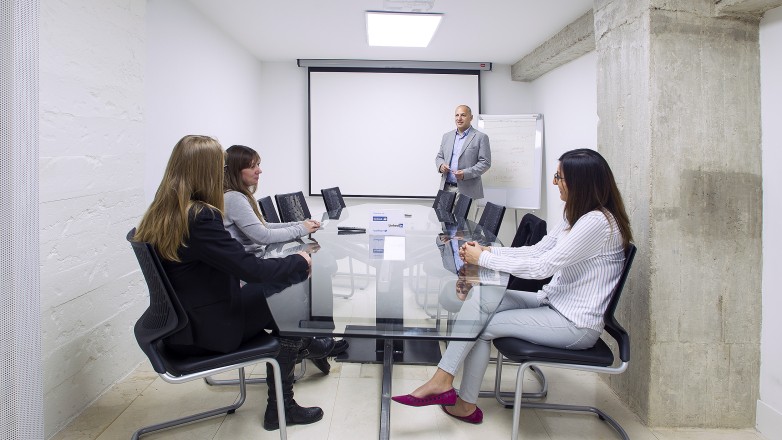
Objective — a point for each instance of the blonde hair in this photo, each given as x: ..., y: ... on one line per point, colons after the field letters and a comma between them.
x: 237, y: 158
x: 193, y: 180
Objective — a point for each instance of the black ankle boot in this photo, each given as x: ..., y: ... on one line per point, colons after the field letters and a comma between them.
x: 294, y: 414
x: 315, y: 348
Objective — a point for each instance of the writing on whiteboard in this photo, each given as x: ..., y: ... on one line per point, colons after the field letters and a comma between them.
x: 514, y: 179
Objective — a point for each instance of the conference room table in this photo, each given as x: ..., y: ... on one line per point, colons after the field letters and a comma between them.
x: 410, y: 283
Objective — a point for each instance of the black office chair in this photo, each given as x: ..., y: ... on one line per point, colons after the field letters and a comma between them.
x: 165, y: 316
x: 530, y: 231
x: 293, y: 207
x: 332, y: 197
x: 267, y: 210
x: 491, y: 218
x: 444, y: 200
x: 462, y: 206
x: 599, y: 359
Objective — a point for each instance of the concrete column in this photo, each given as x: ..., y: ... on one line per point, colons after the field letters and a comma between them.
x: 678, y: 91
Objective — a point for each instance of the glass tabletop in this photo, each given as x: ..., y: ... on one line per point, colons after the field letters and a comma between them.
x: 389, y: 287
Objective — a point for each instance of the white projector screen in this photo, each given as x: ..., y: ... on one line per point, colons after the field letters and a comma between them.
x: 375, y: 133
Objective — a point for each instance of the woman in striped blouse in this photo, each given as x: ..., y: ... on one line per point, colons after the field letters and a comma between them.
x: 584, y: 254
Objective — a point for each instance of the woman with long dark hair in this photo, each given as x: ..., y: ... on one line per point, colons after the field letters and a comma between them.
x: 204, y: 263
x: 585, y: 256
x: 244, y: 221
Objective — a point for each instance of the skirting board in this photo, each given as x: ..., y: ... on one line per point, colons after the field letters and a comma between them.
x: 768, y: 421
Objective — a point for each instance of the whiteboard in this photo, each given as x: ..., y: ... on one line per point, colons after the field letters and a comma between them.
x: 514, y: 179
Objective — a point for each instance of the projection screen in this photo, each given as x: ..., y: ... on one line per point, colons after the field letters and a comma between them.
x: 375, y: 133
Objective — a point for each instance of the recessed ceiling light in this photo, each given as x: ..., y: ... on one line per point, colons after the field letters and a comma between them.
x: 401, y: 29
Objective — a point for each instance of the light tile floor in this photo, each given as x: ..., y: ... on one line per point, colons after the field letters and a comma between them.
x: 349, y: 397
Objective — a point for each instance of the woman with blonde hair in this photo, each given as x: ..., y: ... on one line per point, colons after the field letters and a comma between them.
x: 204, y: 263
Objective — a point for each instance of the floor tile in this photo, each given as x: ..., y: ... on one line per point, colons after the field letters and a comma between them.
x: 349, y: 396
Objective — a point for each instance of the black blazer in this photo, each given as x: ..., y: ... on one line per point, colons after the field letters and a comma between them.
x: 206, y: 281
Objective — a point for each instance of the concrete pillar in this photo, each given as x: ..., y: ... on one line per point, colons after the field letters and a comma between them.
x: 678, y: 91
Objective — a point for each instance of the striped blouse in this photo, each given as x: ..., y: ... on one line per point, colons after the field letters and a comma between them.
x: 585, y: 262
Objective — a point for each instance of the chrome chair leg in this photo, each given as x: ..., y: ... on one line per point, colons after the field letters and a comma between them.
x: 230, y: 409
x: 502, y: 395
x: 218, y: 382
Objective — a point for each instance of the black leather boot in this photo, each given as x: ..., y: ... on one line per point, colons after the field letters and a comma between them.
x: 294, y: 414
x: 316, y: 350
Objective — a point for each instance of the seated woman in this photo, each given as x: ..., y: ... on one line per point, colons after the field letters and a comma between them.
x: 184, y: 223
x: 584, y: 254
x: 243, y: 220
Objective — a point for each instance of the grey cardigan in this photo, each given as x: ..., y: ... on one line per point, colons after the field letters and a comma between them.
x: 241, y: 222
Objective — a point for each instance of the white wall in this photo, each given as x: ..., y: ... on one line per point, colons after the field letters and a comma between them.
x: 91, y: 160
x: 198, y: 81
x: 769, y: 407
x: 567, y: 97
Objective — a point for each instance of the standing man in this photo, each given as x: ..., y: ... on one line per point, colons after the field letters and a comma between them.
x: 464, y: 155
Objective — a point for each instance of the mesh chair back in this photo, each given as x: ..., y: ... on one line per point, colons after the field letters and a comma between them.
x: 332, y: 197
x: 267, y: 209
x: 612, y: 326
x: 165, y: 315
x: 293, y: 207
x: 444, y: 200
x: 491, y: 218
x: 462, y: 206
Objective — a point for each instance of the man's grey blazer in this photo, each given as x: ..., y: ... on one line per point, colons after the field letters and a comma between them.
x: 475, y: 159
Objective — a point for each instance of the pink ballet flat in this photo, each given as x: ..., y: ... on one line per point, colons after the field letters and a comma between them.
x: 475, y: 418
x: 447, y: 398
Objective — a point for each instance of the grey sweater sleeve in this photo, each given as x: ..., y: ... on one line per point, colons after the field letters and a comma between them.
x: 242, y: 223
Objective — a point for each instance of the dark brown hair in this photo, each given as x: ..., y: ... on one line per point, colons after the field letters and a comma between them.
x: 591, y: 186
x: 237, y: 158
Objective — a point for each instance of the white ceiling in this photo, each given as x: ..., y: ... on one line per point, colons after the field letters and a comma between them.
x: 498, y: 31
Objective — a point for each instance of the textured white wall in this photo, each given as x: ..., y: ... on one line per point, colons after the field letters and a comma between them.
x: 769, y: 408
x: 91, y: 194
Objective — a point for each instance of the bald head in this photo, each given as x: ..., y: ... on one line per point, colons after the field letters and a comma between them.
x: 463, y: 117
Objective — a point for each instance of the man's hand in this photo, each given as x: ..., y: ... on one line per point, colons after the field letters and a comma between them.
x: 459, y: 174
x: 444, y: 169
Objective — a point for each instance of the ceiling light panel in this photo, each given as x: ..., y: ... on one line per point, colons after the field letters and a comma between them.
x: 401, y: 29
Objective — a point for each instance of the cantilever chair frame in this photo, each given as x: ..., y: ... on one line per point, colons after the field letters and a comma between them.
x: 254, y: 380
x: 613, y: 328
x: 153, y: 273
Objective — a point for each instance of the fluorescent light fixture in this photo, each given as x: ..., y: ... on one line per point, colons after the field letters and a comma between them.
x: 401, y: 29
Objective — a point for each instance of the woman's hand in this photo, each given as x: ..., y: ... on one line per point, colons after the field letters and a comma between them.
x: 470, y: 252
x: 311, y: 225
